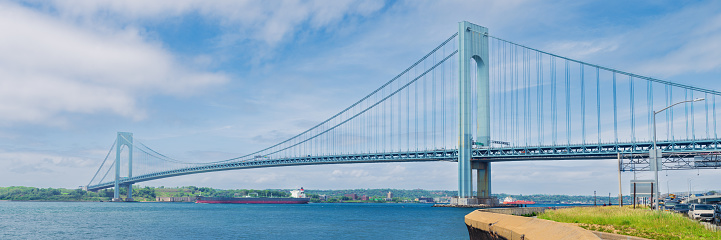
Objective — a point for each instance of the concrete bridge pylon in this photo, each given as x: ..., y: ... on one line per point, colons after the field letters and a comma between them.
x: 473, y: 49
x: 125, y: 139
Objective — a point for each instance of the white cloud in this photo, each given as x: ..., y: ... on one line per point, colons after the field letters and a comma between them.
x: 50, y: 67
x: 582, y: 49
x: 267, y: 21
x: 697, y: 55
x: 355, y: 173
x: 683, y: 42
x: 44, y: 169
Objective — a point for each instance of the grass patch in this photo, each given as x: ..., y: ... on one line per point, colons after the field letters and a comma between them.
x: 533, y: 214
x: 634, y: 222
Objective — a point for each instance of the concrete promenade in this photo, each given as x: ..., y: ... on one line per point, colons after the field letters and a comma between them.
x: 492, y: 226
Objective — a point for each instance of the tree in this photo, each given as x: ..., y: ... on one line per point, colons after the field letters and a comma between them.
x: 78, y: 193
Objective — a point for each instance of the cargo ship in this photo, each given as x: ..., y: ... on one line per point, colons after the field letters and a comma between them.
x: 510, y: 200
x: 298, y: 197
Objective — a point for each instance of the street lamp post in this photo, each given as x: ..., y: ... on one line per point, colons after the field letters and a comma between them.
x: 688, y: 195
x: 655, y: 156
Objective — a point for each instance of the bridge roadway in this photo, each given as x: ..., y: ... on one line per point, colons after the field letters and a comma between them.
x: 690, y: 148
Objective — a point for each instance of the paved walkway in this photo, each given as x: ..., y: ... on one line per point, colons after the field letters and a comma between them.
x: 611, y: 236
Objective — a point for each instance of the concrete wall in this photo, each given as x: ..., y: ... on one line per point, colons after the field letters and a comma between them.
x: 521, y: 211
x: 492, y: 226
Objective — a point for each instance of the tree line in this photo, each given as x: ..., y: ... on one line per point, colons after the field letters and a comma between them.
x: 19, y: 193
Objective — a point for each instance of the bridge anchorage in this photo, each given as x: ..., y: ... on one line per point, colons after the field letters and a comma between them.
x: 478, y: 99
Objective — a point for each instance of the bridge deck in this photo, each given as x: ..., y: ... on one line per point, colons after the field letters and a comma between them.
x: 689, y: 148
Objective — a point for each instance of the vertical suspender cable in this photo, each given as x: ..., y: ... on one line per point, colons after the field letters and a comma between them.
x: 452, y: 89
x: 390, y: 136
x: 498, y: 90
x: 583, y: 106
x: 443, y: 101
x: 377, y: 124
x: 433, y: 102
x: 510, y: 118
x: 705, y: 95
x: 568, y: 104
x: 714, y: 117
x: 539, y: 69
x: 508, y: 93
x: 693, y: 120
x: 511, y: 89
x: 633, y: 112
x: 670, y: 98
x: 400, y: 116
x: 501, y: 84
x: 528, y: 100
x: 554, y: 106
x: 649, y: 101
x: 598, y: 106
x: 515, y: 93
x: 615, y: 113
x: 528, y: 97
x: 505, y: 84
x: 366, y: 128
x: 685, y: 95
x: 525, y: 96
x: 493, y: 66
x: 425, y: 111
x: 666, y: 101
x: 385, y: 125
x: 415, y: 104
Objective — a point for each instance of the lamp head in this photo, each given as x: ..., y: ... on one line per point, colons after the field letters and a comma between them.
x: 699, y: 99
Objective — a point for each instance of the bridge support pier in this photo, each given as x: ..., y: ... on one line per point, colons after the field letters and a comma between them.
x: 130, y: 193
x: 483, y: 179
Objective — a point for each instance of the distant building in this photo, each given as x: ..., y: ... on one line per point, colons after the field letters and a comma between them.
x: 364, y: 198
x: 390, y: 195
x: 442, y: 199
x: 352, y: 196
x: 424, y: 200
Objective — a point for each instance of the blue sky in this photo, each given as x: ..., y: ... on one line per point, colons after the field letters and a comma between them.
x: 214, y: 80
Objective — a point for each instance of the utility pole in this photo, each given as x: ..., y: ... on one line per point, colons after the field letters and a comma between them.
x: 594, y: 198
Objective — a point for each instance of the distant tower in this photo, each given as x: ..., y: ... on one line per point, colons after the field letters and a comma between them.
x: 390, y: 195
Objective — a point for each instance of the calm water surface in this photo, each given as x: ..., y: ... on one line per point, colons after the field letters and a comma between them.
x: 103, y: 220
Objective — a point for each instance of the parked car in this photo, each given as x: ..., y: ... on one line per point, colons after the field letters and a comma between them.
x: 717, y: 214
x: 703, y: 212
x: 669, y: 204
x: 681, y: 208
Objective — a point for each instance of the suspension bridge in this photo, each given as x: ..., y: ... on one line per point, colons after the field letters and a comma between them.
x: 477, y: 99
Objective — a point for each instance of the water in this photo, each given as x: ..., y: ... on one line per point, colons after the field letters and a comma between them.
x: 104, y: 220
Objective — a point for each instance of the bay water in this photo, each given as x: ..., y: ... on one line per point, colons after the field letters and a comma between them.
x: 107, y: 220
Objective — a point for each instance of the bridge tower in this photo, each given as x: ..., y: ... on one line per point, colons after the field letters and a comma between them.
x: 473, y: 49
x: 124, y: 139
